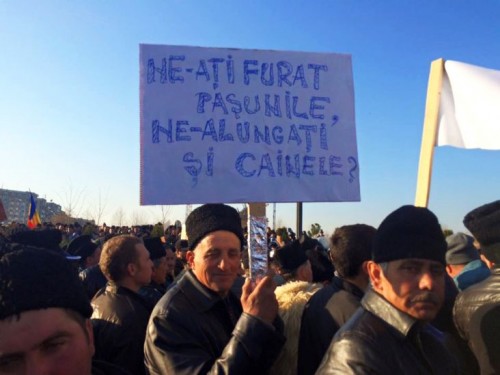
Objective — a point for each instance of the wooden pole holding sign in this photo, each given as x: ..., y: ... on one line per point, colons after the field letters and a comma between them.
x: 429, y: 133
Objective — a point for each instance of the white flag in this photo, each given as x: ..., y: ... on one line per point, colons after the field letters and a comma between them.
x: 469, y: 113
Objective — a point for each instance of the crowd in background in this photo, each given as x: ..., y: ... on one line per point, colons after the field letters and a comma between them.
x: 316, y: 312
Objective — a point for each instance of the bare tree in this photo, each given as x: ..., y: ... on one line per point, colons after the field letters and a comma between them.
x: 119, y: 217
x: 165, y: 211
x: 138, y: 217
x: 72, y: 200
x: 100, y: 207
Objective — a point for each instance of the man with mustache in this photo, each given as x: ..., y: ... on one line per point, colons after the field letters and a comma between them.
x: 390, y: 333
x: 200, y: 326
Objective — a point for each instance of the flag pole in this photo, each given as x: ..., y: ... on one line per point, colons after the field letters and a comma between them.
x: 429, y: 133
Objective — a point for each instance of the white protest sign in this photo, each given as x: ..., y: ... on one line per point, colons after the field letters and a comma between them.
x: 233, y: 125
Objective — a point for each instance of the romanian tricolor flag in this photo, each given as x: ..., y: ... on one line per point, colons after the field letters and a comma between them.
x: 33, y: 217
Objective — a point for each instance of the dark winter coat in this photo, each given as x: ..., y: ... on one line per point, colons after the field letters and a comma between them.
x: 380, y: 339
x: 119, y: 320
x: 476, y: 317
x: 193, y: 330
x: 324, y: 314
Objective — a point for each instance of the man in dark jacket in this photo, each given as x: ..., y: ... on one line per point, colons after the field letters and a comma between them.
x: 120, y: 314
x: 329, y: 308
x: 199, y: 326
x: 158, y: 255
x: 475, y: 307
x: 390, y: 334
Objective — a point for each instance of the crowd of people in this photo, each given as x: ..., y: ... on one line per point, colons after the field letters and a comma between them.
x: 398, y: 299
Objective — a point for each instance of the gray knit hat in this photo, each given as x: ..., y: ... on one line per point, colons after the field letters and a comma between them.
x: 461, y: 249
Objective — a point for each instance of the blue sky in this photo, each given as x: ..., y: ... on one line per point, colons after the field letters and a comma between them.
x: 69, y: 94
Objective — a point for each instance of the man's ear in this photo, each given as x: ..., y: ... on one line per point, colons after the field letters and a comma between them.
x: 375, y: 273
x: 131, y: 269
x: 190, y: 258
x: 449, y: 270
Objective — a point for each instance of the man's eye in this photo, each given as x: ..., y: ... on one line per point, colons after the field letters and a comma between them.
x: 10, y: 364
x: 53, y: 345
x: 412, y: 269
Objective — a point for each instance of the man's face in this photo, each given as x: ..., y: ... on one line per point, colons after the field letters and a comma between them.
x: 414, y: 286
x: 160, y: 271
x: 46, y: 341
x: 181, y: 254
x: 170, y: 261
x: 216, y: 260
x: 144, y: 266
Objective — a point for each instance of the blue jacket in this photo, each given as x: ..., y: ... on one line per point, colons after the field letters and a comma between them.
x: 473, y: 273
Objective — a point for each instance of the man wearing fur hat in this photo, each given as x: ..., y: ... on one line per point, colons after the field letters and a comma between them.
x: 476, y: 309
x: 390, y: 333
x: 44, y: 316
x: 200, y: 326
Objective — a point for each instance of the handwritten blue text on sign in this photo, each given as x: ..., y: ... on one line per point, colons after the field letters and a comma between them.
x: 228, y: 125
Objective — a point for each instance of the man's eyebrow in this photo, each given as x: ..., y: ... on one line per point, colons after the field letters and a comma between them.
x: 411, y: 262
x: 56, y: 335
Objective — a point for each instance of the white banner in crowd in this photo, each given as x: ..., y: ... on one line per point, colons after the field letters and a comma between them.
x: 469, y: 114
x: 233, y: 125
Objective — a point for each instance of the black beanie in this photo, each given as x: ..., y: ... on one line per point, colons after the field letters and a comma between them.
x: 33, y: 279
x: 210, y: 218
x: 155, y: 247
x: 409, y: 232
x: 290, y: 257
x: 46, y: 238
x: 82, y: 246
x: 484, y: 224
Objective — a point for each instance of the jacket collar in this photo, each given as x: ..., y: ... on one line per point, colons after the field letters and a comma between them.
x: 347, y: 286
x: 202, y: 298
x: 379, y: 306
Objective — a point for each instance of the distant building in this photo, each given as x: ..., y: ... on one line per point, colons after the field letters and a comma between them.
x: 17, y: 203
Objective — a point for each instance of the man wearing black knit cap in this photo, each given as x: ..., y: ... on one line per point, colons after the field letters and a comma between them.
x: 200, y: 326
x: 44, y: 316
x: 389, y: 334
x: 477, y: 309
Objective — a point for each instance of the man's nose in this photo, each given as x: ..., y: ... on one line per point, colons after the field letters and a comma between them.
x: 426, y: 281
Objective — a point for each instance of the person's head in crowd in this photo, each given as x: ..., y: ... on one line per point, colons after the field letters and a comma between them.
x: 460, y: 252
x: 322, y: 268
x: 125, y: 262
x: 181, y: 249
x: 44, y: 315
x: 463, y: 262
x: 484, y: 224
x: 170, y: 257
x: 158, y: 256
x: 408, y: 266
x: 88, y: 251
x: 178, y: 227
x: 350, y: 251
x: 215, y: 240
x: 292, y: 263
x: 45, y: 239
x: 282, y: 236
